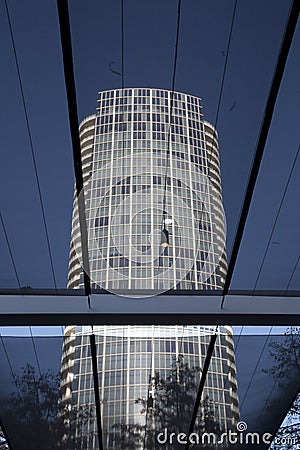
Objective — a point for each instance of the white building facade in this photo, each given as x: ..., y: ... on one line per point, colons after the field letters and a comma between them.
x: 150, y: 163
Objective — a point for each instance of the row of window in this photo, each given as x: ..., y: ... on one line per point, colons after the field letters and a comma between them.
x: 114, y: 366
x: 135, y: 276
x: 101, y: 204
x: 163, y: 111
x: 182, y: 224
x: 137, y: 236
x: 141, y: 284
x: 145, y: 117
x: 146, y: 93
x: 139, y: 191
x: 123, y: 133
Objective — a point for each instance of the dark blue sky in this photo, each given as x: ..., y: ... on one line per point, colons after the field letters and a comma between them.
x: 149, y: 49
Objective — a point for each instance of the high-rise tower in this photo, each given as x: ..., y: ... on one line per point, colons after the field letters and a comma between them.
x: 151, y: 172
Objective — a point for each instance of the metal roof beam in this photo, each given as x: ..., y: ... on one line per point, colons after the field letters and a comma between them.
x: 109, y: 309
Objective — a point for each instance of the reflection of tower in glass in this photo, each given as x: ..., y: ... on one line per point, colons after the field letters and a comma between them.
x: 134, y: 187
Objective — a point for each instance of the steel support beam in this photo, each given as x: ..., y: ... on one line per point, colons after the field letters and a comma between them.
x: 108, y: 309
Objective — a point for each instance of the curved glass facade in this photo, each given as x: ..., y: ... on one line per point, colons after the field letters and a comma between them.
x: 128, y: 356
x: 144, y: 171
